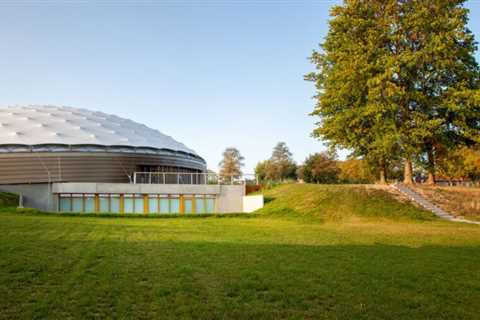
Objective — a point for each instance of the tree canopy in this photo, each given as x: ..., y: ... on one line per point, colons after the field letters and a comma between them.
x: 397, y: 79
x: 319, y: 168
x: 279, y: 167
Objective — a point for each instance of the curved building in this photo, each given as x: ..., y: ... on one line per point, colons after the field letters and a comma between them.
x: 75, y: 160
x: 45, y: 144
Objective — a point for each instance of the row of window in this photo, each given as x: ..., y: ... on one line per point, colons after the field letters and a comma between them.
x: 136, y: 203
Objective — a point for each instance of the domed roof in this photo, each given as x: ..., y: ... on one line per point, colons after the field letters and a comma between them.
x: 41, y: 125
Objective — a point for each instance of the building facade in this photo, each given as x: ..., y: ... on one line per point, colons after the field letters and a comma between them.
x: 75, y: 160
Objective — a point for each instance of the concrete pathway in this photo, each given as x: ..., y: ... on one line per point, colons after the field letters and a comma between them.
x: 421, y: 200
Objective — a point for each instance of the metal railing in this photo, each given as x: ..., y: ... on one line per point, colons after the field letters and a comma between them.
x: 184, y: 178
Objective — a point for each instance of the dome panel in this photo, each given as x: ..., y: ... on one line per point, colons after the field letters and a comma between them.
x: 38, y: 125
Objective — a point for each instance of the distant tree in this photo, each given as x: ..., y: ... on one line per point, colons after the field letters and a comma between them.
x: 261, y: 170
x: 231, y: 164
x: 281, y: 165
x: 355, y: 171
x: 301, y: 172
x: 320, y: 168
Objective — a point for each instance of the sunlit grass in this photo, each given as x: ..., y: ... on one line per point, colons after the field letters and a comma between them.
x: 313, y: 252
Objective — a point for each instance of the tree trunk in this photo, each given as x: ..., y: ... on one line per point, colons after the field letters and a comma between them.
x: 431, y: 178
x: 431, y: 167
x: 408, y: 174
x: 383, y: 173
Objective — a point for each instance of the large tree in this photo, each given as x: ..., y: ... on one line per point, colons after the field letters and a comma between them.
x: 348, y: 72
x: 436, y: 76
x: 231, y: 164
x: 397, y: 78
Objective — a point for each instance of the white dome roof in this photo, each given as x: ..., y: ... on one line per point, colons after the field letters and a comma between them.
x: 38, y: 125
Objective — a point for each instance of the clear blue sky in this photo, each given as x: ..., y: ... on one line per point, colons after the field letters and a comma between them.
x: 212, y: 74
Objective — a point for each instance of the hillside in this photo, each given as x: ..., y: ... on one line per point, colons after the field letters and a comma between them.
x: 459, y: 201
x: 338, y: 202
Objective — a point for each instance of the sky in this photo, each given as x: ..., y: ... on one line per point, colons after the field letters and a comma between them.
x: 212, y: 74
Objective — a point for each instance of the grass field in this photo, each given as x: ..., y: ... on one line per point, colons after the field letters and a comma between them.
x: 315, y: 252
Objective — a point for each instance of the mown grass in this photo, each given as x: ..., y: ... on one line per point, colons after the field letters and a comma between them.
x: 338, y: 203
x: 315, y: 252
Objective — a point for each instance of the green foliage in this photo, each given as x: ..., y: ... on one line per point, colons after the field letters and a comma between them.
x: 262, y: 170
x: 355, y: 171
x: 397, y: 78
x: 319, y: 168
x: 460, y: 163
x: 471, y: 163
x: 280, y: 166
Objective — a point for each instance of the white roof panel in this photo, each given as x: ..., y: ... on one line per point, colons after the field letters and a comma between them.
x: 34, y: 125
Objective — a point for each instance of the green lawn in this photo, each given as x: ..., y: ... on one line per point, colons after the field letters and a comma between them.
x: 313, y: 252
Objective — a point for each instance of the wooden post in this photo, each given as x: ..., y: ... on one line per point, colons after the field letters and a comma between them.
x: 97, y: 203
x: 122, y: 205
x: 146, y: 208
x: 182, y: 204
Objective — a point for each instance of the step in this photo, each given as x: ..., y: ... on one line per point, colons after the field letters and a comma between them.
x: 418, y: 198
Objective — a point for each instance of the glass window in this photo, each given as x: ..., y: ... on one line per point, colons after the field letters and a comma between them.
x: 188, y: 205
x: 90, y: 203
x: 210, y: 205
x: 128, y: 204
x: 77, y: 203
x: 139, y: 204
x: 65, y: 203
x: 199, y: 205
x: 175, y: 205
x: 164, y: 205
x: 152, y: 204
x: 115, y: 203
x: 104, y: 206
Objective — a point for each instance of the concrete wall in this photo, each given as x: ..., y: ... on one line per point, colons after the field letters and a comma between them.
x: 86, y: 187
x: 229, y: 199
x: 37, y: 196
x: 252, y: 203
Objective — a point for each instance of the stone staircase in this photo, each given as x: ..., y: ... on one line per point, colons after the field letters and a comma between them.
x: 422, y: 201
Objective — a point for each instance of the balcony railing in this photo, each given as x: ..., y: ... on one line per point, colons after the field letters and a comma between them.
x: 184, y: 178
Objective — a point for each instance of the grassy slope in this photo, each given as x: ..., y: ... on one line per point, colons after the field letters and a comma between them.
x: 338, y: 203
x: 362, y: 262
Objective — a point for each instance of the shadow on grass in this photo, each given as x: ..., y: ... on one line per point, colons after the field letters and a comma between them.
x: 172, y: 279
x: 267, y: 199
